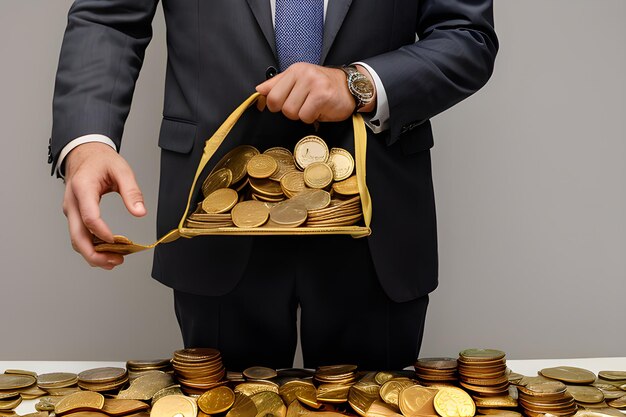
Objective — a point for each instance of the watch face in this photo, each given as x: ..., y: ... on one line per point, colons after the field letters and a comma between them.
x: 361, y: 87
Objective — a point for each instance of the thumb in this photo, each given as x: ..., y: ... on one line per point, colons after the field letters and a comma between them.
x: 130, y: 192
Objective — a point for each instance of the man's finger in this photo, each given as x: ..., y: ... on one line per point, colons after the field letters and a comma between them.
x: 130, y: 191
x: 87, y: 196
x: 265, y: 87
x: 82, y: 239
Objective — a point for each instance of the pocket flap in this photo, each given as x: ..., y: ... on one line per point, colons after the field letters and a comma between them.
x: 177, y: 136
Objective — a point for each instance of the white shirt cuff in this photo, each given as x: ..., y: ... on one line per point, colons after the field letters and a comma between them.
x: 380, y: 121
x: 79, y: 141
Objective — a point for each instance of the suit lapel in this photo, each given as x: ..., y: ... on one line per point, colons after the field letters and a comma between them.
x: 336, y: 13
x: 263, y: 15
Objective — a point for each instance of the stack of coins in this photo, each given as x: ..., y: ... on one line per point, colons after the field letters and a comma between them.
x: 259, y: 373
x: 198, y: 369
x: 335, y: 374
x: 277, y: 188
x: 339, y: 212
x: 58, y: 383
x: 436, y: 371
x: 551, y: 397
x: 483, y: 371
x: 11, y: 385
x: 334, y: 382
x: 9, y: 400
x: 137, y: 368
x: 577, y: 380
x: 103, y: 379
x: 613, y: 386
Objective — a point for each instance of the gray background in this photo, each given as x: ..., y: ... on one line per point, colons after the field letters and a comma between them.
x: 530, y: 177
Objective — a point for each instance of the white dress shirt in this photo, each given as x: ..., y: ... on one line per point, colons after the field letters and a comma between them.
x: 379, y: 122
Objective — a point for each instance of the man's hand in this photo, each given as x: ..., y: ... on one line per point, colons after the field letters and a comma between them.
x: 311, y: 93
x: 92, y: 170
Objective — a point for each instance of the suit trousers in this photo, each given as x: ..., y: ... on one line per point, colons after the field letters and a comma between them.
x: 346, y: 317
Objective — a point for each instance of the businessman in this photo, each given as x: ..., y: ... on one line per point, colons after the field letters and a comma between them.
x: 398, y: 62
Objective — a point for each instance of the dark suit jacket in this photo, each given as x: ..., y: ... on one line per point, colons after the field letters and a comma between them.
x: 218, y: 50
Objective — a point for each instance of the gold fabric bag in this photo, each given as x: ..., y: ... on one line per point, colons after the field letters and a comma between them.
x: 125, y: 246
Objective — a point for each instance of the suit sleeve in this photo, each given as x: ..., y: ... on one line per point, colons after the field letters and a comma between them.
x: 453, y: 58
x: 102, y: 53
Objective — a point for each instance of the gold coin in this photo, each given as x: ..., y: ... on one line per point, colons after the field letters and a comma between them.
x: 293, y: 183
x: 497, y: 401
x: 220, y: 201
x: 362, y: 395
x: 56, y: 380
x: 250, y: 214
x: 172, y: 390
x: 10, y: 404
x: 252, y: 388
x: 237, y: 160
x: 102, y: 375
x: 333, y: 393
x: 259, y: 372
x: 610, y: 392
x: 436, y: 363
x: 83, y: 400
x: 296, y: 409
x: 600, y: 412
x: 347, y: 187
x: 10, y: 382
x: 318, y: 175
x: 20, y: 372
x: 381, y: 409
x: 242, y: 407
x: 417, y: 401
x: 284, y: 159
x: 585, y: 394
x: 382, y: 377
x: 313, y: 199
x: 217, y: 400
x: 290, y: 390
x: 174, y: 406
x: 288, y: 214
x: 390, y: 390
x: 262, y: 166
x: 32, y: 393
x: 116, y: 407
x: 454, y: 402
x: 341, y: 162
x: 144, y: 387
x: 307, y: 395
x: 481, y: 355
x: 269, y: 404
x: 569, y: 374
x: 310, y: 149
x: 608, y: 375
x: 222, y: 178
x: 267, y: 187
x: 619, y: 402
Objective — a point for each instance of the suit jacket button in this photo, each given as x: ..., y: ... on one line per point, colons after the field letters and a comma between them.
x: 270, y: 72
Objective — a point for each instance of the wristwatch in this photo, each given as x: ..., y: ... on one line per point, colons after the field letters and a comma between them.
x: 359, y: 86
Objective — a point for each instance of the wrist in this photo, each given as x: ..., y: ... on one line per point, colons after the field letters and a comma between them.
x: 81, y: 153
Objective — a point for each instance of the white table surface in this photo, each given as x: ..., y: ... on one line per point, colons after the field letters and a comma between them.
x: 525, y: 367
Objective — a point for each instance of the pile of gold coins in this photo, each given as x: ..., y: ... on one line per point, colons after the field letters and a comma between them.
x: 311, y: 187
x: 200, y: 387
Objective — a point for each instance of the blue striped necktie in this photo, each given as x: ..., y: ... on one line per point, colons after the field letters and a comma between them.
x: 299, y: 28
